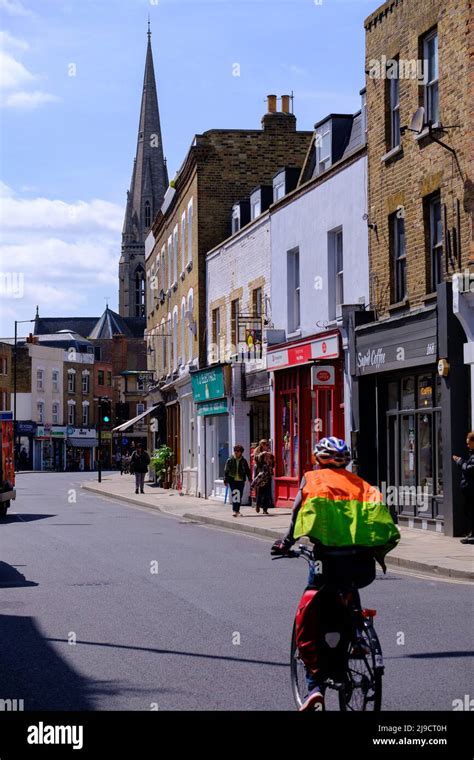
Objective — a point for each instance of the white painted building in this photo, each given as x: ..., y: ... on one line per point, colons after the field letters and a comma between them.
x: 237, y: 298
x: 320, y: 276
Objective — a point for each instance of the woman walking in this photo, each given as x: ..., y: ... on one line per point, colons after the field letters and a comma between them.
x: 262, y: 483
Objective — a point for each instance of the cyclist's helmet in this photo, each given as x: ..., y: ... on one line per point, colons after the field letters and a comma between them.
x: 332, y: 451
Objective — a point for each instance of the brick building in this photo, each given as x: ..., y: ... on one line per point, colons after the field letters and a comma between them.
x: 420, y: 200
x: 221, y: 168
x: 6, y: 376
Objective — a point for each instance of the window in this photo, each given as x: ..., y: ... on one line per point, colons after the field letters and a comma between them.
x: 216, y: 331
x: 140, y: 285
x: 55, y: 413
x: 55, y: 380
x: 255, y: 206
x: 339, y: 271
x: 100, y: 377
x: 183, y: 241
x: 140, y: 383
x: 235, y: 219
x: 435, y: 241
x: 257, y: 302
x: 163, y: 347
x: 394, y: 107
x: 85, y: 381
x: 163, y: 269
x: 183, y: 332
x: 71, y: 412
x: 323, y: 148
x: 279, y: 186
x: 398, y: 256
x: 147, y: 214
x: 170, y: 261
x: 175, y: 254
x: 40, y: 412
x: 234, y: 325
x: 40, y: 379
x: 190, y: 231
x: 3, y: 365
x: 85, y: 413
x: 71, y: 380
x: 109, y: 378
x: 175, y: 338
x: 430, y: 88
x: 190, y: 328
x: 140, y: 408
x: 293, y: 280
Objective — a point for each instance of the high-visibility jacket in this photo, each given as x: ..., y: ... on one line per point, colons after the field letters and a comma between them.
x: 341, y: 509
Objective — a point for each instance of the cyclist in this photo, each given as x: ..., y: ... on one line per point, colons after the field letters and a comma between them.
x: 334, y: 508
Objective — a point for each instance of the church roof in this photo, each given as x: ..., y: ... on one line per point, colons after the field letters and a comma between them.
x: 111, y: 323
x: 94, y: 328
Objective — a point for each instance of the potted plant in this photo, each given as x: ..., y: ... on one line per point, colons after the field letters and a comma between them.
x: 161, y: 461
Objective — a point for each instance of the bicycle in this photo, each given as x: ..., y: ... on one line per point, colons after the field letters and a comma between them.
x: 361, y: 687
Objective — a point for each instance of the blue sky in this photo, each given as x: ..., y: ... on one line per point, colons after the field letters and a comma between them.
x: 67, y: 142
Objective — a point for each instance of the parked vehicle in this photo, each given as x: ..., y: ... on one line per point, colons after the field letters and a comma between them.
x: 7, y: 463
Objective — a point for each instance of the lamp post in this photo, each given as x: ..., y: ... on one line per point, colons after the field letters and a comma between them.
x: 17, y: 322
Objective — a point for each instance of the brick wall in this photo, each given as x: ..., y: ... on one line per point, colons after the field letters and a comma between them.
x: 422, y: 167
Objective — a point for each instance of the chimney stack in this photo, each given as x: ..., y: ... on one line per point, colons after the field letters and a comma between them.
x: 272, y: 103
x: 285, y: 103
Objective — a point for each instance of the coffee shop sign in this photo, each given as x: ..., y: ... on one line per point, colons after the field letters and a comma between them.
x: 374, y: 358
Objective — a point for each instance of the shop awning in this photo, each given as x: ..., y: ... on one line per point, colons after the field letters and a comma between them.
x: 126, y: 425
x: 83, y: 443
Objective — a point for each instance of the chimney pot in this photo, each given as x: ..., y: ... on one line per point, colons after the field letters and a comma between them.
x: 285, y: 103
x: 272, y: 103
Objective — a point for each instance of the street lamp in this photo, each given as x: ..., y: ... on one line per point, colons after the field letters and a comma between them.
x: 17, y: 322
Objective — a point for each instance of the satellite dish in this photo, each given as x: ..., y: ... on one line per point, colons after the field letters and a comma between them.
x: 418, y: 120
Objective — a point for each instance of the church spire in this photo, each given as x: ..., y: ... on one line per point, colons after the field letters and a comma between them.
x: 147, y: 189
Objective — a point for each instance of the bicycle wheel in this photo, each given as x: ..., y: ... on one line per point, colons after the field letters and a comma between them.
x: 363, y: 688
x: 298, y: 673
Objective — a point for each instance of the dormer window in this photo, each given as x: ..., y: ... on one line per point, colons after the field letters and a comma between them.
x: 235, y: 219
x: 279, y: 186
x: 255, y: 206
x: 323, y: 147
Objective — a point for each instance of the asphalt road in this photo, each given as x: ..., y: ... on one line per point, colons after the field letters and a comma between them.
x: 209, y: 630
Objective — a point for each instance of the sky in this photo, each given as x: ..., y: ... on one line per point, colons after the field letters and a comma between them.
x: 71, y: 74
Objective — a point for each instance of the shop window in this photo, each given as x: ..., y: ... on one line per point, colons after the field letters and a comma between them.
x: 408, y: 393
x: 425, y: 452
x: 289, y: 436
x: 392, y: 395
x: 425, y: 391
x: 222, y: 442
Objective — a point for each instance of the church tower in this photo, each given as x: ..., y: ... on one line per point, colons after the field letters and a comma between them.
x: 145, y: 197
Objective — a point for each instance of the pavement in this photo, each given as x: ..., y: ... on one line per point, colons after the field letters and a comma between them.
x: 420, y: 551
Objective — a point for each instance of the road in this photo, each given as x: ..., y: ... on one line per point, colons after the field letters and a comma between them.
x: 209, y: 630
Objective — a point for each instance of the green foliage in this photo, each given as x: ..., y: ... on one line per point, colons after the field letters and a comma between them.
x: 161, y: 460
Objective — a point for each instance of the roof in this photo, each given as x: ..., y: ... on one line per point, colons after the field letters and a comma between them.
x: 95, y: 328
x: 80, y: 325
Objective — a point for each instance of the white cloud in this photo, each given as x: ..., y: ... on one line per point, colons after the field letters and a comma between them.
x: 8, y: 41
x: 13, y: 73
x: 15, y: 8
x: 29, y: 100
x: 67, y: 253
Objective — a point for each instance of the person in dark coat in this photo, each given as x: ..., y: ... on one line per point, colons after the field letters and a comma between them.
x: 139, y: 464
x: 236, y: 472
x: 263, y: 476
x: 467, y: 485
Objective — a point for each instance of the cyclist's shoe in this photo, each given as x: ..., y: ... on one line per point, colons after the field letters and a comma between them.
x: 314, y: 701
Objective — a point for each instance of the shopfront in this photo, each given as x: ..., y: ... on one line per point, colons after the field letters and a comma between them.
x: 25, y: 436
x: 400, y: 446
x: 80, y: 449
x: 189, y: 458
x: 210, y: 394
x: 307, y: 396
x: 58, y: 442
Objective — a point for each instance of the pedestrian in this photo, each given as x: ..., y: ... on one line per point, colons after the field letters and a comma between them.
x: 118, y: 459
x: 139, y: 466
x: 263, y: 476
x: 236, y: 472
x: 467, y: 485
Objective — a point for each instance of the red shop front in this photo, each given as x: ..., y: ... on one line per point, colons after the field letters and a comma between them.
x: 308, y: 398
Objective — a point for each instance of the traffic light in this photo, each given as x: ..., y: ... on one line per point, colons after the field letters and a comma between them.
x: 105, y: 412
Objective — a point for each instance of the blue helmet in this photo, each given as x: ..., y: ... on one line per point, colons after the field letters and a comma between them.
x: 332, y: 451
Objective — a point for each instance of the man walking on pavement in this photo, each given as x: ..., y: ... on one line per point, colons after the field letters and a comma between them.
x: 139, y: 464
x: 467, y: 485
x: 236, y: 472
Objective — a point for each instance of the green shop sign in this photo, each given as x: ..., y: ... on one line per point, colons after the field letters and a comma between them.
x: 212, y: 407
x: 208, y: 384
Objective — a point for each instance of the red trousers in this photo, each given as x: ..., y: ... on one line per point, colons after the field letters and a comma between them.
x: 320, y: 613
